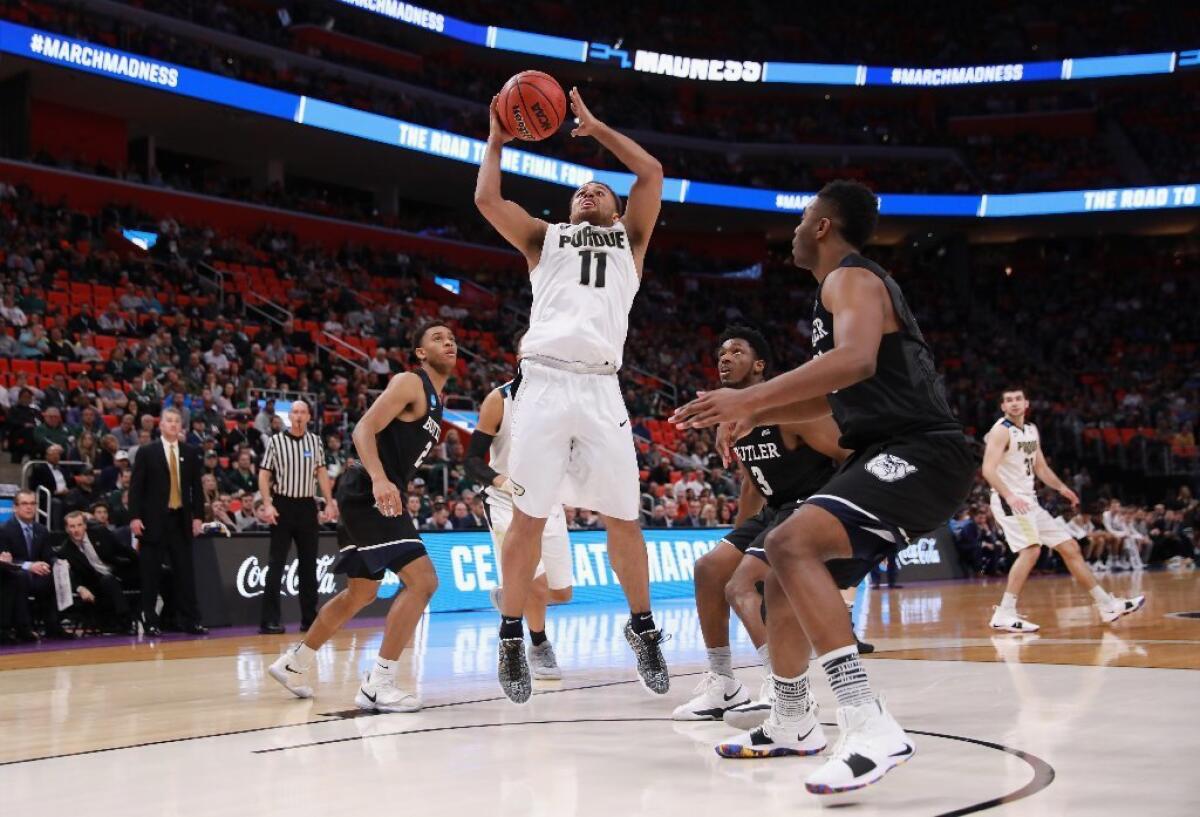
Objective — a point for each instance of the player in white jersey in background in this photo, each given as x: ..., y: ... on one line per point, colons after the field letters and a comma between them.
x: 554, y: 577
x: 571, y: 436
x: 1011, y: 462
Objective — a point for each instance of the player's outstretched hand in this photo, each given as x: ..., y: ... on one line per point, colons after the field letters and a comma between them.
x: 1070, y: 496
x: 711, y: 408
x: 496, y: 129
x: 585, y: 122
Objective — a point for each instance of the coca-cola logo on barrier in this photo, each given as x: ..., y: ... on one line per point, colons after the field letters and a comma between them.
x: 924, y: 551
x: 252, y: 577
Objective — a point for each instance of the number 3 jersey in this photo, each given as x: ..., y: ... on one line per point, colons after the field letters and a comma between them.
x: 404, y: 445
x: 780, y: 475
x: 583, y: 289
x: 1016, y: 466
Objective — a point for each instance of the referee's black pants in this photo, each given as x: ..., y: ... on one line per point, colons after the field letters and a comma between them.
x: 297, y: 523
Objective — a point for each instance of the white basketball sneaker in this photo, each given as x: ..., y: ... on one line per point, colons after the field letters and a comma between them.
x: 382, y: 695
x: 774, y: 739
x: 290, y: 676
x: 871, y: 745
x: 711, y: 697
x: 1120, y: 607
x: 753, y: 713
x: 1010, y: 622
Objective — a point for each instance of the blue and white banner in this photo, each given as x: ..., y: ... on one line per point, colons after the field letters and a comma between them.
x: 79, y: 55
x: 720, y: 69
x: 231, y: 574
x: 467, y: 566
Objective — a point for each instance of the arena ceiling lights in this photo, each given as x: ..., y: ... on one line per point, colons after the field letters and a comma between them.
x: 123, y: 66
x: 792, y: 73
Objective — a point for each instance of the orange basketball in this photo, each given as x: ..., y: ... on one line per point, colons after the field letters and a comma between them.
x: 532, y: 106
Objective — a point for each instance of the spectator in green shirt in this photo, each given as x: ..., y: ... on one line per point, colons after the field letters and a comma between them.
x: 52, y: 431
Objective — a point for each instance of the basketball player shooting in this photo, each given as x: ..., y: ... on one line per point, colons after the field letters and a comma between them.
x: 571, y: 437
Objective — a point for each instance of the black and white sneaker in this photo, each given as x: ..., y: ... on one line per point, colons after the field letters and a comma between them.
x: 773, y: 739
x: 871, y: 745
x: 753, y: 713
x: 651, y: 666
x: 513, y: 670
x: 711, y: 698
x: 289, y: 676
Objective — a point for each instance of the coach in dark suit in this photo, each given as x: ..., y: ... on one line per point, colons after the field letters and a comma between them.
x: 95, y: 556
x: 167, y: 506
x: 25, y: 571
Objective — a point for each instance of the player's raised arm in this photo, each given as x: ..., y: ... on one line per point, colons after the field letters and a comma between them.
x: 645, y: 197
x: 510, y: 219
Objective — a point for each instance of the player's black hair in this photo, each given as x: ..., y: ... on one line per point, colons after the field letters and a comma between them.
x: 1012, y: 387
x: 857, y: 210
x: 620, y: 204
x: 752, y: 336
x: 423, y: 327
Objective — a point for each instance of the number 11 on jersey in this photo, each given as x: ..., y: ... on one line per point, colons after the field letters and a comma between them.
x: 585, y: 267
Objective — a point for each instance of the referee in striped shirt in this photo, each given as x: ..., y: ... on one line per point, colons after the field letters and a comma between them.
x: 292, y: 466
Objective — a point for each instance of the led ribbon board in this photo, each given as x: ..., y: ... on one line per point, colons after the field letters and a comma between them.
x: 794, y: 73
x: 79, y: 55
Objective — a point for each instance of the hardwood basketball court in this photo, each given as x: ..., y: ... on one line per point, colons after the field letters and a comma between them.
x: 1080, y: 718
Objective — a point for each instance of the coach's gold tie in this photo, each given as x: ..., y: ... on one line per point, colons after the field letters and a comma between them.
x: 176, y: 500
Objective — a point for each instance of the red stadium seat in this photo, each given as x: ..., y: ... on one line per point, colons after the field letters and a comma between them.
x: 52, y: 367
x: 111, y: 420
x: 29, y: 367
x: 3, y: 364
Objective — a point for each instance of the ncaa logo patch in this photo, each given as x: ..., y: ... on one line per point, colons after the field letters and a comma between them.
x: 889, y: 468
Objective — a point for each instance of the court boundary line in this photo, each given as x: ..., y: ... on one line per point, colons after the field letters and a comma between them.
x: 1043, y: 772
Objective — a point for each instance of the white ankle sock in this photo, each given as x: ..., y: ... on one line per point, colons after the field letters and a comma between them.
x: 384, y: 668
x: 304, y: 655
x: 720, y: 661
x: 1101, y: 595
x: 1009, y: 602
x: 764, y: 655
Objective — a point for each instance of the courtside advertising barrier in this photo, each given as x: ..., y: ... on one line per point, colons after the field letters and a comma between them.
x: 231, y: 573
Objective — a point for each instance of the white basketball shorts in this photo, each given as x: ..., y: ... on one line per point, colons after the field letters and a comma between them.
x: 1024, y: 530
x: 572, y: 444
x: 556, y: 542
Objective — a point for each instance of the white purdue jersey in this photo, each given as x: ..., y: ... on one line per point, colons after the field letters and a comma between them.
x: 583, y: 289
x: 1016, y: 466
